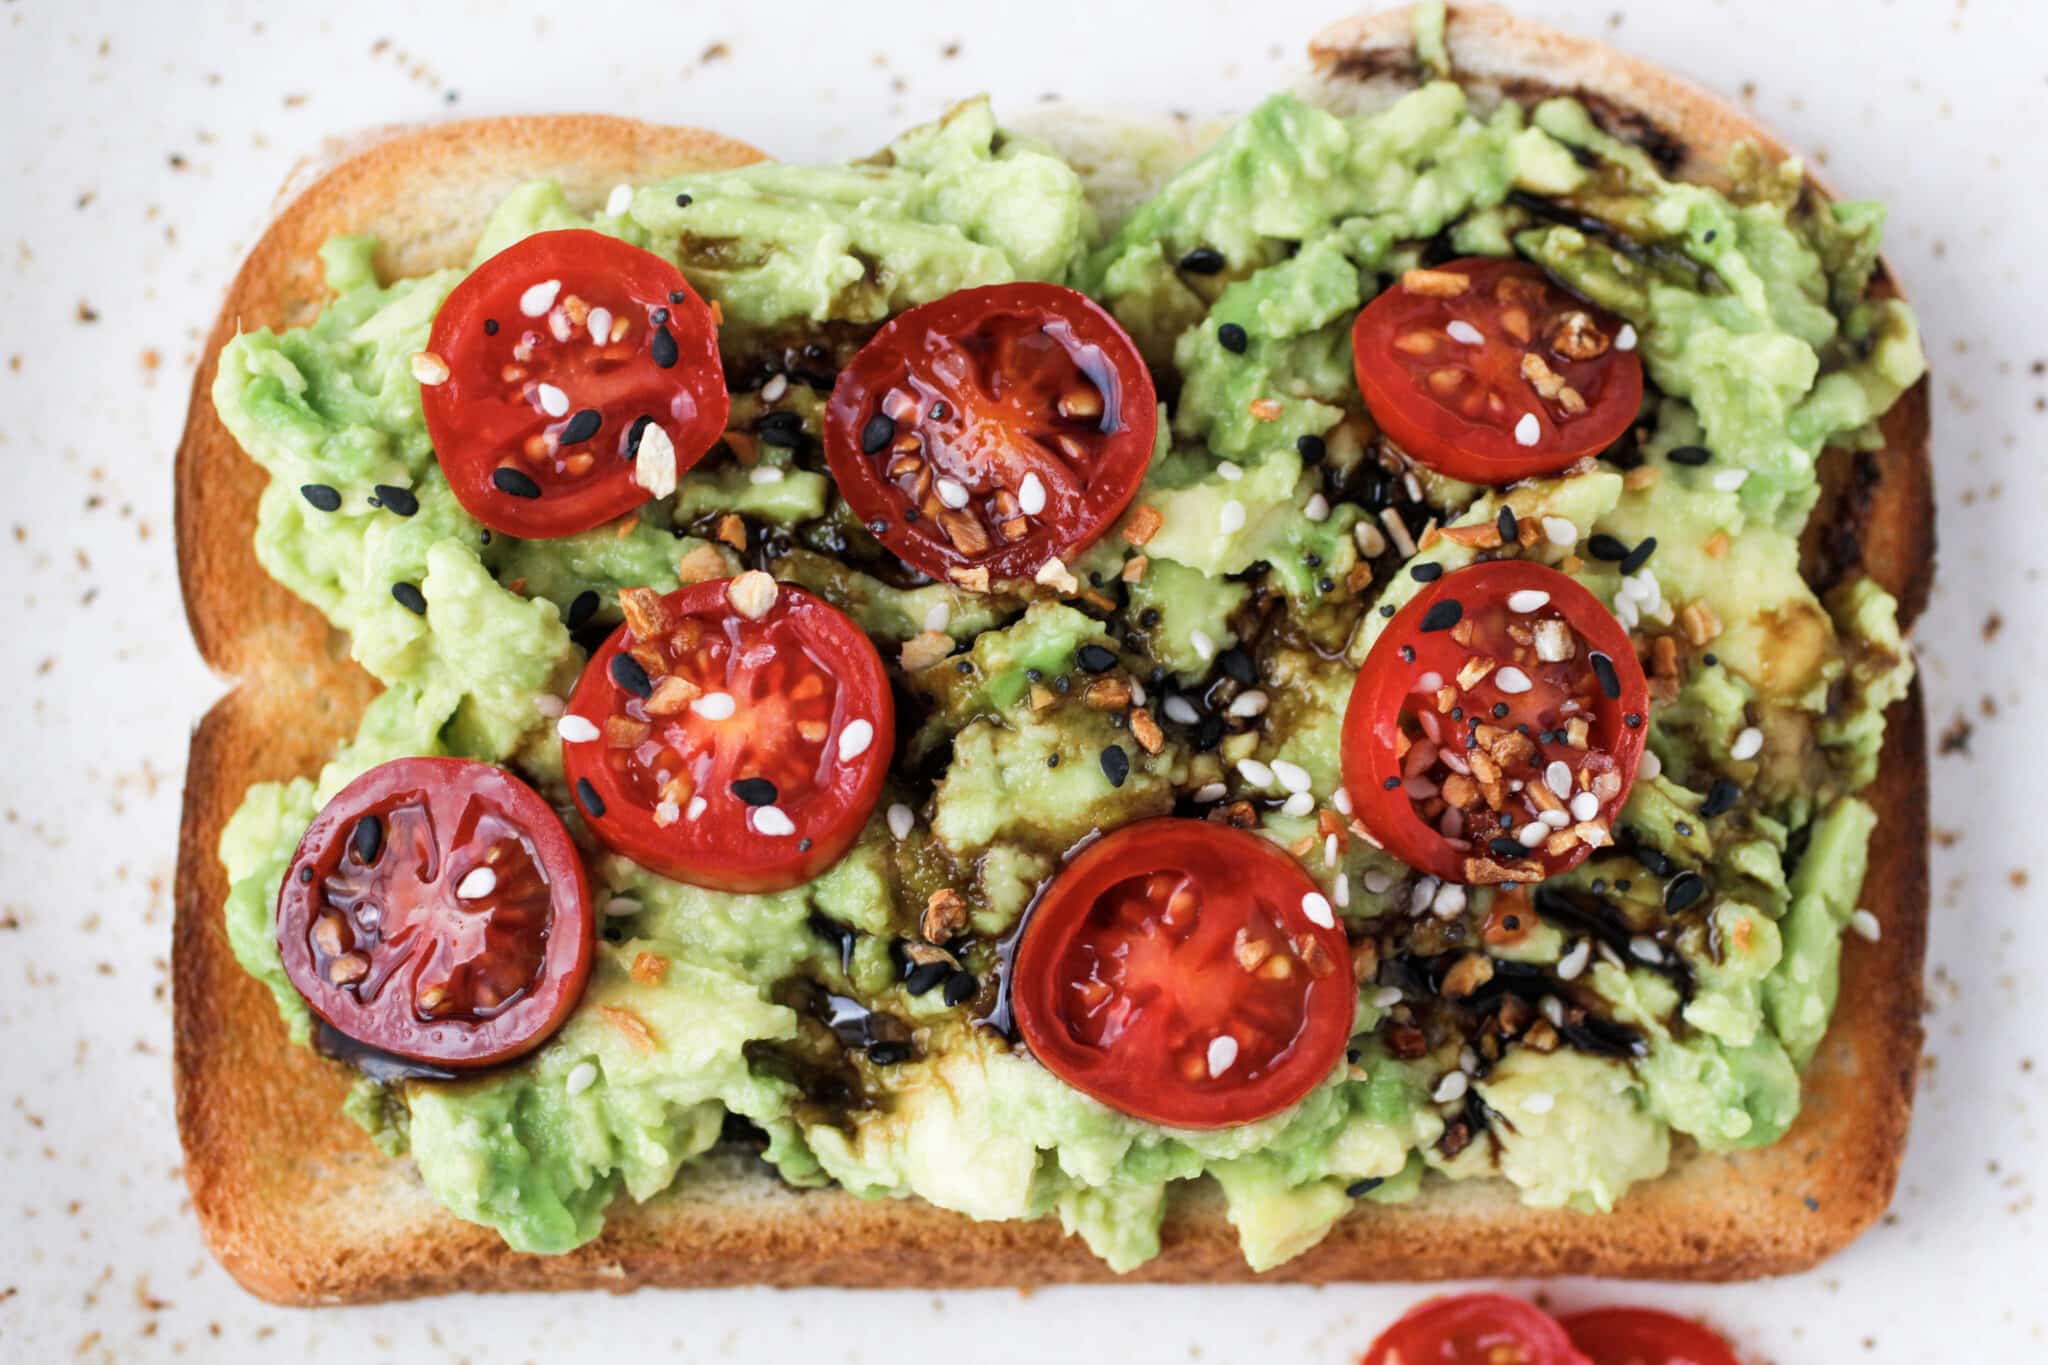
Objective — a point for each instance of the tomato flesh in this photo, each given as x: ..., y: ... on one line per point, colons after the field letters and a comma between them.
x: 1498, y: 378
x: 1645, y: 1336
x: 565, y: 355
x: 983, y: 434
x: 1495, y: 729
x: 726, y: 750
x: 1474, y: 1329
x: 1187, y: 973
x: 436, y: 910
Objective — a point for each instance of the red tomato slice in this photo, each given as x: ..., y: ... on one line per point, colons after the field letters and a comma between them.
x: 1474, y: 1329
x: 1502, y: 379
x: 564, y: 355
x: 1494, y: 731
x: 992, y: 430
x: 739, y: 750
x: 1644, y: 1336
x: 1186, y: 973
x: 437, y: 910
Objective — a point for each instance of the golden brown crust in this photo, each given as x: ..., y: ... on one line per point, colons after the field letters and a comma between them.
x: 301, y: 1209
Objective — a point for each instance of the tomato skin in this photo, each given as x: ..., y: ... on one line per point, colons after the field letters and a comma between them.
x: 429, y: 804
x: 999, y: 360
x: 480, y: 423
x: 1481, y: 446
x: 1474, y: 1329
x: 1645, y: 1336
x: 723, y: 847
x: 1122, y: 1001
x: 1374, y: 739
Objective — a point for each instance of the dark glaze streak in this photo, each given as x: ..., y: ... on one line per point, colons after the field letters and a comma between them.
x: 377, y: 1064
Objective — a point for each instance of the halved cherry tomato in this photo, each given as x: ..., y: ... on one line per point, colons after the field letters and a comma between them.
x: 992, y: 430
x: 1487, y: 371
x: 1187, y: 973
x: 1644, y: 1336
x: 1494, y: 731
x: 436, y: 910
x: 555, y: 366
x: 1474, y: 1329
x: 733, y: 734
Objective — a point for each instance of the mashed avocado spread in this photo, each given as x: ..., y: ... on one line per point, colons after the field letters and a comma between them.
x: 1279, y: 529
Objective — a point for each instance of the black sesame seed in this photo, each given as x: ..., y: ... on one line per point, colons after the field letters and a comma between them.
x: 1500, y: 710
x: 1094, y: 658
x: 1387, y: 610
x: 1366, y: 1186
x: 627, y: 673
x: 1683, y: 891
x: 961, y: 987
x: 1390, y: 784
x: 1721, y: 798
x: 490, y: 327
x: 1511, y: 922
x: 878, y: 432
x: 582, y: 425
x: 781, y: 437
x: 678, y: 295
x: 1458, y: 713
x: 1116, y: 764
x: 1640, y: 555
x: 1232, y: 338
x: 367, y: 839
x: 1603, y: 669
x: 1692, y: 455
x: 323, y: 497
x: 1709, y: 235
x: 409, y: 596
x: 1238, y: 666
x: 1622, y: 884
x: 755, y: 791
x: 1311, y: 447
x: 1443, y: 615
x: 965, y: 668
x: 1203, y: 260
x: 631, y: 448
x: 1149, y: 617
x: 581, y: 608
x: 658, y: 316
x: 1209, y: 733
x: 1507, y: 848
x: 1604, y: 546
x: 682, y: 202
x: 1684, y: 829
x: 780, y: 421
x: 803, y: 845
x: 1052, y: 760
x: 663, y: 348
x: 878, y: 527
x: 1426, y: 573
x: 1633, y: 720
x: 306, y: 875
x: 926, y: 975
x: 516, y: 482
x: 1510, y: 529
x: 1654, y: 860
x: 940, y: 412
x: 587, y: 797
x: 1407, y: 654
x: 1710, y: 660
x: 888, y: 1054
x: 399, y: 502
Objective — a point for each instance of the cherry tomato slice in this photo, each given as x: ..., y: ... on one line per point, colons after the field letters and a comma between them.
x: 733, y: 734
x: 1186, y: 973
x: 1474, y: 1329
x: 1494, y: 731
x: 985, y: 433
x: 554, y: 368
x: 1485, y: 370
x: 1644, y: 1336
x: 436, y: 910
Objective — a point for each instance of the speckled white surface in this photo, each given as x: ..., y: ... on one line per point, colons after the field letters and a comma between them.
x: 139, y: 147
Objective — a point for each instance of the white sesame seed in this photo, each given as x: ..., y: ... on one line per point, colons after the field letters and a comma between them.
x: 1528, y: 600
x: 1341, y: 891
x: 1031, y: 496
x: 1512, y: 680
x: 575, y: 729
x: 1625, y: 339
x: 1558, y: 778
x: 1747, y: 745
x: 772, y: 391
x: 1728, y: 480
x: 667, y: 813
x: 1650, y: 766
x: 698, y: 805
x: 1317, y: 908
x: 1341, y: 799
x: 600, y: 321
x: 477, y: 883
x: 429, y: 368
x: 1429, y: 681
x: 1527, y: 430
x: 1561, y: 531
x: 854, y: 740
x: 1421, y: 894
x: 1137, y: 693
x: 1230, y: 471
x: 1317, y: 508
x: 1531, y: 834
x: 951, y: 492
x: 1645, y: 949
x: 654, y: 463
x: 1449, y: 901
x: 547, y: 703
x: 715, y: 706
x: 1248, y: 704
x: 1293, y: 777
x: 1574, y: 962
x: 1377, y: 882
x: 1386, y: 997
x: 1298, y: 805
x: 1451, y: 1088
x: 1255, y: 772
x: 1371, y: 541
x: 1329, y: 850
x: 583, y: 1075
x: 1204, y: 647
x: 1209, y: 791
x: 1231, y: 518
x: 1555, y: 819
x: 553, y: 401
x: 938, y: 617
x: 1181, y: 711
x: 770, y: 820
x: 1463, y: 331
x: 901, y: 820
x: 765, y: 473
x: 620, y: 199
x: 1585, y: 806
x: 1866, y: 926
x: 1413, y: 486
x: 1397, y: 531
x: 1222, y: 1052
x: 559, y: 325
x: 1468, y: 1060
x: 538, y: 298
x: 622, y: 905
x: 1538, y: 1102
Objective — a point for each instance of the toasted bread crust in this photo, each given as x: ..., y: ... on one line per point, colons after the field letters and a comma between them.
x: 301, y: 1209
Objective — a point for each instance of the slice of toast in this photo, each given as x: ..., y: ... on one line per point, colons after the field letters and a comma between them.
x: 302, y: 1209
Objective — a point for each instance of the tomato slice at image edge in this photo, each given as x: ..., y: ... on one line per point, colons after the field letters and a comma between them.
x: 567, y: 355
x: 1451, y: 709
x: 1186, y: 973
x: 1506, y: 379
x: 1645, y: 1336
x: 436, y: 910
x: 985, y: 433
x: 741, y: 753
x: 1474, y: 1329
